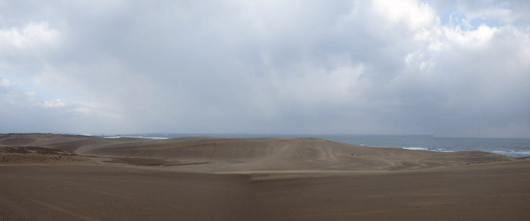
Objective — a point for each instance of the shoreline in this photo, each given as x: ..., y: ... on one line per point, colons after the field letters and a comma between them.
x: 516, y: 151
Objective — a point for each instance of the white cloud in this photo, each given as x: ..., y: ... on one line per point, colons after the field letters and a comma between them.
x: 414, y: 13
x: 5, y: 82
x: 471, y: 39
x: 269, y: 66
x: 25, y: 112
x: 31, y: 35
x: 53, y: 103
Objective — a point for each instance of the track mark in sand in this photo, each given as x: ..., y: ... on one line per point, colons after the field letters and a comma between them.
x: 108, y: 194
x: 331, y: 155
x: 56, y: 208
x: 121, y: 196
x: 345, y: 213
x: 301, y: 172
x: 429, y: 203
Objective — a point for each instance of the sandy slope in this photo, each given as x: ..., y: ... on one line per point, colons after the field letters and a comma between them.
x: 60, y: 177
x: 208, y: 154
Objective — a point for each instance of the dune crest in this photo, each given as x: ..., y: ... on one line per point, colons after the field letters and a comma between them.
x: 211, y: 154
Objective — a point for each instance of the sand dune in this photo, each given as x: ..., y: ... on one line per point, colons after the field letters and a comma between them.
x: 210, y: 154
x: 64, y: 177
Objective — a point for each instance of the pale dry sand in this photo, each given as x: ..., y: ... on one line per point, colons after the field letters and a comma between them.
x: 63, y: 177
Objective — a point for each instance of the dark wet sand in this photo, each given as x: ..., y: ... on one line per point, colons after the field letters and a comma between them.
x: 475, y: 187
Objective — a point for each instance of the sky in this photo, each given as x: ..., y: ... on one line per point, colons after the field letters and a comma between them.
x: 443, y: 68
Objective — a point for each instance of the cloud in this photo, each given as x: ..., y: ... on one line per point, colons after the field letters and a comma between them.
x: 24, y: 111
x: 30, y: 35
x: 390, y: 67
x: 28, y: 41
x: 5, y: 82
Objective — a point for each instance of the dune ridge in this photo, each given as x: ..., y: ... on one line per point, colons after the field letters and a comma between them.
x: 212, y: 154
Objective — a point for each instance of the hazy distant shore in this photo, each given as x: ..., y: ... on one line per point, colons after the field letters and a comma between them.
x: 187, y: 178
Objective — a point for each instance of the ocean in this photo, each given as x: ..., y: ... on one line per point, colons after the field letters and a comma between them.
x: 514, y: 147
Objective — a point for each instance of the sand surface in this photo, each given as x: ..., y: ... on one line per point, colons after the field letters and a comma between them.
x: 63, y: 177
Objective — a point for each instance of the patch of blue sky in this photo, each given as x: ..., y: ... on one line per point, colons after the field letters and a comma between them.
x: 24, y: 84
x: 491, y: 22
x: 452, y: 17
x: 449, y: 16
